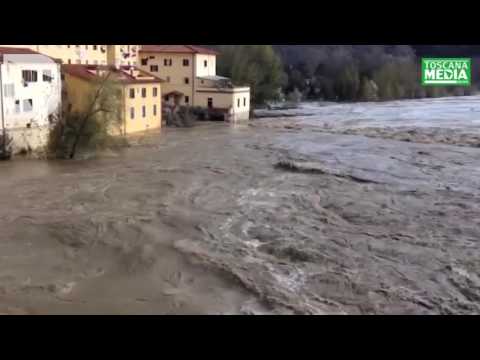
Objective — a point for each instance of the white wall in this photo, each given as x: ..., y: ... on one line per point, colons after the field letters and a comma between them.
x: 201, y: 70
x: 237, y: 101
x: 45, y: 96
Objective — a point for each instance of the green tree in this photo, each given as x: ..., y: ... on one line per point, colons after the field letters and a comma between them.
x: 257, y: 66
x: 347, y: 85
x: 368, y: 90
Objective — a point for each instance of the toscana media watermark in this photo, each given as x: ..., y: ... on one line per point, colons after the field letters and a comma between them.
x: 446, y: 72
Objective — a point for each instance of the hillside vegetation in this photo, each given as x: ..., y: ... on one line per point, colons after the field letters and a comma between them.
x: 337, y: 72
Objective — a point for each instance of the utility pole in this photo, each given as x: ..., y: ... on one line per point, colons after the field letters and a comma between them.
x: 4, y: 134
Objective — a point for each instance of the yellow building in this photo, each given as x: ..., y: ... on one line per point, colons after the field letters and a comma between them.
x: 89, y: 54
x: 191, y: 79
x: 141, y: 93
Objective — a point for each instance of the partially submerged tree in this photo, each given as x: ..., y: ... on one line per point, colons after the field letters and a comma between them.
x: 92, y: 128
x: 295, y: 96
x: 5, y: 146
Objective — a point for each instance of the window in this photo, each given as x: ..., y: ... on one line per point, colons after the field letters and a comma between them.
x: 47, y: 76
x: 132, y: 93
x: 132, y: 113
x: 27, y: 105
x: 187, y: 99
x: 153, y: 68
x: 155, y: 92
x: 69, y: 61
x: 9, y: 90
x: 238, y: 102
x: 167, y: 62
x: 244, y: 101
x: 154, y: 110
x: 144, y: 62
x: 17, y: 106
x: 187, y: 80
x: 144, y: 111
x: 95, y: 47
x: 29, y: 76
x: 186, y: 62
x: 205, y: 63
x: 86, y: 62
x: 167, y: 98
x: 144, y: 92
x: 210, y: 103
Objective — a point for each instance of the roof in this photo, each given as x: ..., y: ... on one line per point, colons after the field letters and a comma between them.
x: 124, y: 74
x: 214, y: 78
x: 178, y: 49
x: 15, y: 51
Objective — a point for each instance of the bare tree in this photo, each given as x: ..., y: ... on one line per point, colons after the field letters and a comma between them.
x: 91, y: 127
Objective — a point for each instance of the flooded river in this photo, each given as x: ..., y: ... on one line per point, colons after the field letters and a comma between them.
x: 331, y: 209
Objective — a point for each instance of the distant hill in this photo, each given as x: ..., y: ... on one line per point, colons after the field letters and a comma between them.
x: 447, y: 50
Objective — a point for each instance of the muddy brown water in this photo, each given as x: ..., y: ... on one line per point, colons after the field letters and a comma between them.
x: 202, y: 221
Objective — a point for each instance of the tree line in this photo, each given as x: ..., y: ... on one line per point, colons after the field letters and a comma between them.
x: 331, y: 72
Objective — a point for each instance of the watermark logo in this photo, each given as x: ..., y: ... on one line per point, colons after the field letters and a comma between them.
x: 446, y: 72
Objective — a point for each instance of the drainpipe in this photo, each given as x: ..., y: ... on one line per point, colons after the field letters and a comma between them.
x: 4, y: 145
x: 194, y: 66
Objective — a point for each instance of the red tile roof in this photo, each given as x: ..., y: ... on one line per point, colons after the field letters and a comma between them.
x: 179, y: 49
x: 15, y: 51
x: 87, y: 72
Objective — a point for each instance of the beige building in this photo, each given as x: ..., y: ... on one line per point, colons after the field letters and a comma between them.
x: 191, y: 79
x: 141, y: 94
x: 89, y: 54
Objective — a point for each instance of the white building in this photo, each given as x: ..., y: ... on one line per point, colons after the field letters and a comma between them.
x: 30, y: 96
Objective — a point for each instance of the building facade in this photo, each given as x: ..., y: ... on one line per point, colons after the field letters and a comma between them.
x: 30, y: 96
x: 191, y: 79
x: 89, y: 54
x: 140, y: 94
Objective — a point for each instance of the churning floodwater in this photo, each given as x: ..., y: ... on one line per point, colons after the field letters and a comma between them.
x: 330, y: 209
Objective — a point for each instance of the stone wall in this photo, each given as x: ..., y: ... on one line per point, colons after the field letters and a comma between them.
x: 32, y: 139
